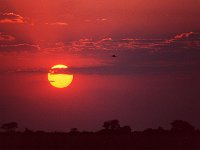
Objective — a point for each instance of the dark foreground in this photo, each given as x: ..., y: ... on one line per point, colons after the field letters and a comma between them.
x: 45, y: 141
x: 182, y: 136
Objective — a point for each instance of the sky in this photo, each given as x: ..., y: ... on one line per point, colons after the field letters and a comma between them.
x: 153, y: 80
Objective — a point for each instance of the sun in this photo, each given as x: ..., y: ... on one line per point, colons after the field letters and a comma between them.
x: 59, y: 77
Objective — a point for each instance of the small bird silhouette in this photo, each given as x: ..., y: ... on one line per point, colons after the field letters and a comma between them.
x: 114, y: 56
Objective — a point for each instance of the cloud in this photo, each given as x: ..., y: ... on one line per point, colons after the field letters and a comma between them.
x: 5, y: 37
x: 18, y: 19
x: 184, y: 35
x: 102, y: 19
x: 179, y: 53
x: 57, y: 24
x: 130, y: 58
x: 98, y: 20
x: 184, y: 41
x: 19, y: 48
x: 134, y: 55
x: 11, y: 18
x: 189, y: 36
x: 110, y: 44
x: 179, y: 43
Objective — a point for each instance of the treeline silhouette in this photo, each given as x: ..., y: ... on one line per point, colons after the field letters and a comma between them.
x: 182, y: 135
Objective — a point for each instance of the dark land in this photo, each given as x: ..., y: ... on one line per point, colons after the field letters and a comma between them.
x: 182, y: 135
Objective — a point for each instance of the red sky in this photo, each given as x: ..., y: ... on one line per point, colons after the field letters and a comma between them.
x: 160, y: 37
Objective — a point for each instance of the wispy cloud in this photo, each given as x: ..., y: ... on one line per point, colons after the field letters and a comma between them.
x: 184, y: 41
x: 14, y: 18
x: 11, y: 18
x: 98, y: 20
x: 178, y: 43
x: 57, y: 23
x: 19, y: 48
x: 189, y: 36
x: 5, y: 37
x: 179, y: 53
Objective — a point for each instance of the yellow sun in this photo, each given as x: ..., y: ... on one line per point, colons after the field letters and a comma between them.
x: 59, y: 77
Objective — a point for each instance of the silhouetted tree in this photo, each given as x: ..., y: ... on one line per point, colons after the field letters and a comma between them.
x: 182, y: 126
x: 11, y: 126
x: 106, y: 125
x: 111, y: 125
x: 74, y: 131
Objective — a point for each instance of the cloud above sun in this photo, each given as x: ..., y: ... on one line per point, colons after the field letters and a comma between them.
x: 5, y: 37
x: 19, y: 48
x: 178, y: 43
x: 11, y: 18
x: 190, y: 40
x: 179, y: 53
x: 57, y: 23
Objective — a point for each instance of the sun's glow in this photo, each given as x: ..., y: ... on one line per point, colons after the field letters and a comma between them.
x: 58, y: 76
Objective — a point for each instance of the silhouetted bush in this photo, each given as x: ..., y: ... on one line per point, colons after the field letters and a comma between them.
x: 180, y: 126
x: 111, y: 125
x: 10, y: 127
